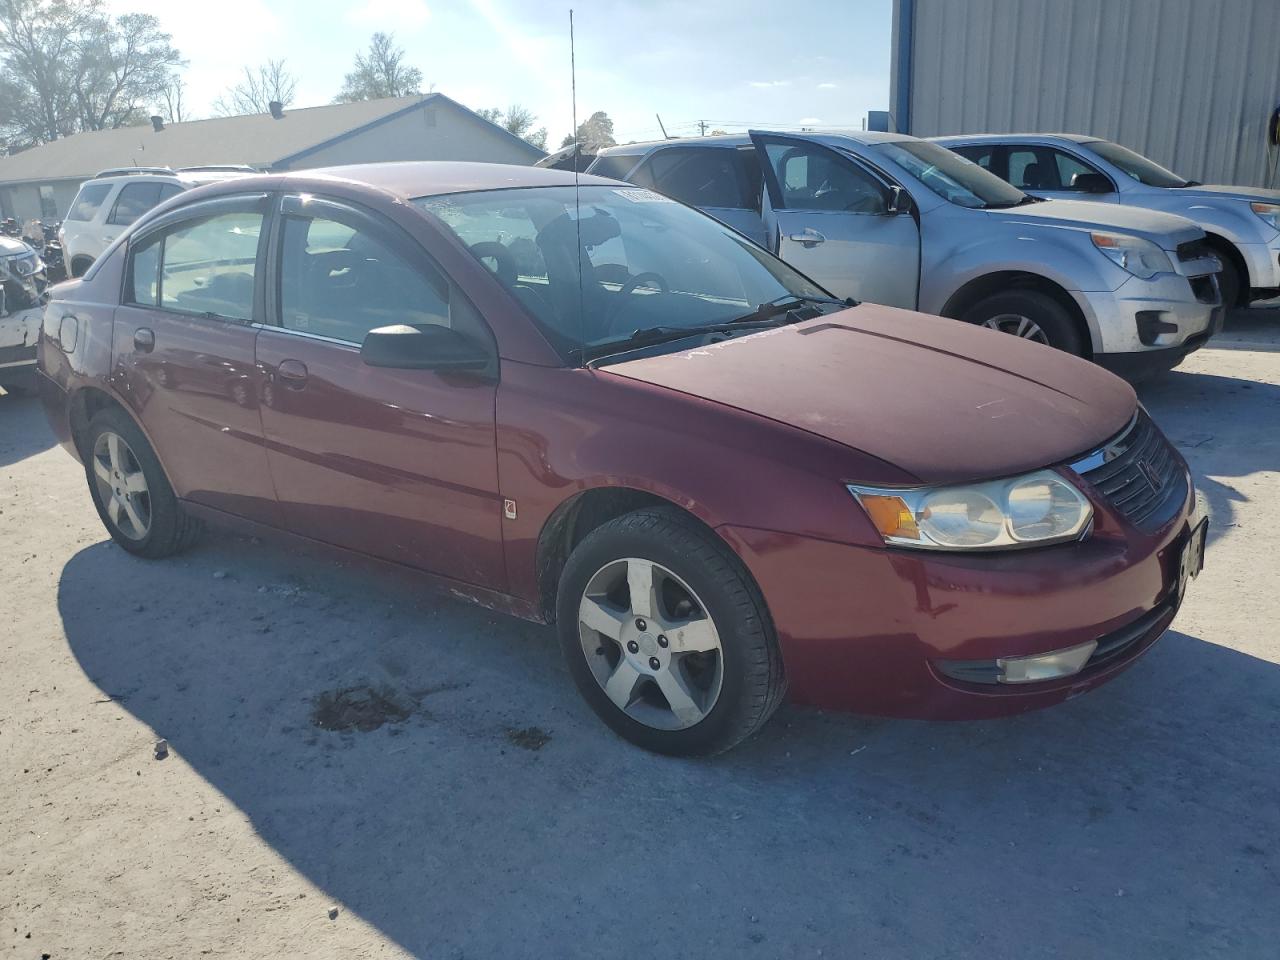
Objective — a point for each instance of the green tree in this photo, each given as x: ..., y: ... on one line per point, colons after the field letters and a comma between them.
x: 123, y: 68
x: 517, y: 119
x: 594, y: 133
x: 380, y: 72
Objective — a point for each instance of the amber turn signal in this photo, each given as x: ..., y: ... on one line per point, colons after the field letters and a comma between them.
x: 891, y: 515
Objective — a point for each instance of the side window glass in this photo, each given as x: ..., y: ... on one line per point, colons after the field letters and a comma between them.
x: 812, y: 178
x: 700, y: 178
x: 1031, y: 168
x: 144, y: 274
x: 168, y: 190
x: 134, y: 200
x: 209, y: 264
x: 981, y: 155
x: 341, y: 281
x: 1068, y: 167
x: 88, y: 200
x: 616, y: 167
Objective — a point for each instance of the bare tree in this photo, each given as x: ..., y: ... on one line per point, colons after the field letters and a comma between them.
x: 380, y: 72
x: 173, y: 100
x: 517, y: 119
x: 121, y: 68
x: 39, y: 44
x: 254, y: 94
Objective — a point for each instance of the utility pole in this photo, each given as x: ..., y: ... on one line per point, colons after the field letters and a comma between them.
x: 702, y: 128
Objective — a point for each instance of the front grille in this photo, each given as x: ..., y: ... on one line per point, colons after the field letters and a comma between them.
x: 1195, y: 250
x: 1139, y: 475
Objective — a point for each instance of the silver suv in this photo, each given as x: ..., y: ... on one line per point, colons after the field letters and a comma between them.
x: 1242, y: 223
x: 900, y: 221
x: 113, y: 199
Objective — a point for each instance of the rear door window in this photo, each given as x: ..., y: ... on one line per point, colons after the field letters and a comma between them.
x: 88, y: 200
x: 616, y: 167
x: 708, y: 177
x: 133, y: 201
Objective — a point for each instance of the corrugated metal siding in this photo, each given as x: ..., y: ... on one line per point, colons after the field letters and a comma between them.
x: 1189, y: 83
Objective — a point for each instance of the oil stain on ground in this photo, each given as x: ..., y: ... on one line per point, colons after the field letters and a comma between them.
x: 529, y: 738
x: 359, y: 708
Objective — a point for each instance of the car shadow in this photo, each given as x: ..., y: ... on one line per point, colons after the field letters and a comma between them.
x: 23, y: 429
x: 494, y: 816
x: 1240, y: 440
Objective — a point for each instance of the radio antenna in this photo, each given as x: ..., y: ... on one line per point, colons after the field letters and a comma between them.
x: 577, y: 162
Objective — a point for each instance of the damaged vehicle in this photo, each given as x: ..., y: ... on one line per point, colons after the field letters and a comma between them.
x: 22, y: 296
x: 579, y: 402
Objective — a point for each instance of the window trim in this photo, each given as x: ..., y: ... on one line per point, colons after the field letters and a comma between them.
x: 201, y: 210
x: 292, y: 204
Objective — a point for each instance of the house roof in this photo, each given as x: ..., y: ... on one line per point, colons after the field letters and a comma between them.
x: 257, y: 139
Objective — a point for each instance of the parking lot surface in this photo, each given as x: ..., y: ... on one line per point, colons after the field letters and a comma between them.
x: 356, y: 767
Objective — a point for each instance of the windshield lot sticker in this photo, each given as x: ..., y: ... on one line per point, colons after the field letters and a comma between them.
x: 640, y: 195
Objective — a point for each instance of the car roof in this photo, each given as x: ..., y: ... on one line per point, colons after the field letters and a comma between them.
x: 728, y: 140
x: 428, y: 178
x: 1003, y: 137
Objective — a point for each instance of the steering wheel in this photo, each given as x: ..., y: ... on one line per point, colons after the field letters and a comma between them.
x: 504, y: 261
x: 631, y: 286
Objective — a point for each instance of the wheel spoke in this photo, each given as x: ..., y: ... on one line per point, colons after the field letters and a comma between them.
x: 134, y: 517
x: 622, y: 684
x: 113, y: 510
x: 693, y: 636
x: 101, y: 471
x: 601, y: 617
x: 679, y: 696
x: 115, y: 453
x: 640, y: 583
x: 1024, y: 325
x: 135, y: 482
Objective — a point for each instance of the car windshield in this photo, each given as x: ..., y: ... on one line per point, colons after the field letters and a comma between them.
x: 1136, y: 165
x: 644, y: 261
x: 954, y: 178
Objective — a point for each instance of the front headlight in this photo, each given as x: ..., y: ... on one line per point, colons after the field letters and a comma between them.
x: 1140, y: 257
x: 1034, y: 509
x: 1268, y: 212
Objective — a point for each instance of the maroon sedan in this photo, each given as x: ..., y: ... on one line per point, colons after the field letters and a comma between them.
x: 603, y: 409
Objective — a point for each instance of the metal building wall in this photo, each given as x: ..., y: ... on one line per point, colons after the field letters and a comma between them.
x: 1190, y: 83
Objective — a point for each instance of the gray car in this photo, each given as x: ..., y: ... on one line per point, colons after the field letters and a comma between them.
x: 1242, y: 223
x: 900, y: 221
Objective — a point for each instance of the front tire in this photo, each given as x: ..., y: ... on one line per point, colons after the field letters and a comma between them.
x: 666, y: 635
x: 130, y: 491
x: 1031, y: 315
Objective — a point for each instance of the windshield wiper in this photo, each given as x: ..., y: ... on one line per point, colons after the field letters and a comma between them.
x: 788, y: 302
x: 649, y: 336
x: 1020, y: 203
x: 1189, y: 183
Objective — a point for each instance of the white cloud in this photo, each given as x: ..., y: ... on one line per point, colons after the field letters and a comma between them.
x: 767, y: 84
x: 827, y: 86
x: 390, y: 15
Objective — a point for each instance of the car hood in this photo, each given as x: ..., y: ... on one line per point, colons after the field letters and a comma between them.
x: 936, y: 398
x: 11, y: 246
x: 1166, y: 229
x: 1218, y: 191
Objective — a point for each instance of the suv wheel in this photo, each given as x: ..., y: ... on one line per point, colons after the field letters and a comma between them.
x: 1028, y: 314
x: 667, y: 636
x: 130, y: 490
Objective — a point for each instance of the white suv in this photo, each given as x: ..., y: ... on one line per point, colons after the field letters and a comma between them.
x: 113, y: 199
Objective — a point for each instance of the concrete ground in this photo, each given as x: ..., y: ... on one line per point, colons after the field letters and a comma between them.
x: 501, y: 820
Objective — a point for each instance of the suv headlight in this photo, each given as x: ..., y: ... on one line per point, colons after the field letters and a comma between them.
x: 1268, y: 212
x: 1140, y: 257
x: 1031, y: 510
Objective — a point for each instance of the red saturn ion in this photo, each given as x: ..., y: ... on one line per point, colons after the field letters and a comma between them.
x: 600, y: 408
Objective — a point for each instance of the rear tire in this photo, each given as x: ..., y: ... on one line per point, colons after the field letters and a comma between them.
x: 1031, y: 315
x: 130, y: 491
x: 704, y: 672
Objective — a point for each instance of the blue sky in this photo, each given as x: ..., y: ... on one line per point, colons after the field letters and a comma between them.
x: 733, y: 64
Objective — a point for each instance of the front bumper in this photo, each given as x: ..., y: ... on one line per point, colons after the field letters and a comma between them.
x: 19, y: 333
x: 868, y: 629
x: 1183, y: 309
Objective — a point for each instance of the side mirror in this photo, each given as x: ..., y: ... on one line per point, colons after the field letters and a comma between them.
x: 899, y: 201
x: 425, y: 347
x: 1091, y: 183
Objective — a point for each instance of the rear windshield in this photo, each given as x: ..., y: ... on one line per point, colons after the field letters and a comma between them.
x: 954, y: 178
x: 1136, y: 165
x: 88, y: 200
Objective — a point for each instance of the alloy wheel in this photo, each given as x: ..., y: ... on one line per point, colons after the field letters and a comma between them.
x: 651, y: 644
x: 122, y: 486
x: 1019, y: 326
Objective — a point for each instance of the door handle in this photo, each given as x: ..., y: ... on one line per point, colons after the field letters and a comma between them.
x: 292, y: 373
x: 809, y: 237
x: 144, y: 341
